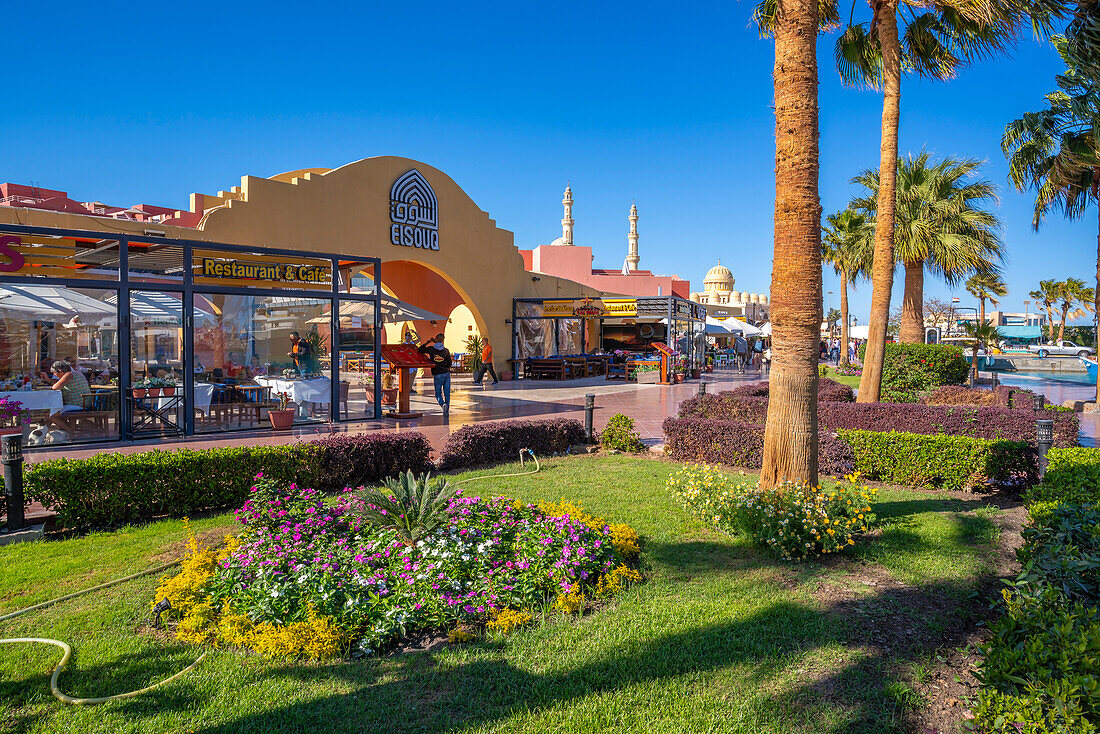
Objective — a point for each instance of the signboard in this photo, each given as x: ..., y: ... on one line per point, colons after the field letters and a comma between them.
x: 587, y: 309
x: 557, y: 308
x: 414, y: 212
x: 15, y: 259
x: 404, y: 355
x: 620, y: 307
x: 237, y: 270
x: 652, y: 307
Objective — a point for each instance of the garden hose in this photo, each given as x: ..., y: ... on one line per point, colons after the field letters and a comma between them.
x: 67, y: 651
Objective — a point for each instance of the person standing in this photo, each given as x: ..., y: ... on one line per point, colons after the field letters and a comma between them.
x: 440, y: 358
x: 486, y: 364
x: 741, y: 349
x: 834, y: 351
x: 410, y: 339
x: 757, y: 353
x: 299, y: 352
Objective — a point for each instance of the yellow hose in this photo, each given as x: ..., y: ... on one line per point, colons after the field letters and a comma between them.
x: 67, y: 651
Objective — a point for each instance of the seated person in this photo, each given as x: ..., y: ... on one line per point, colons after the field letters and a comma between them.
x: 73, y: 386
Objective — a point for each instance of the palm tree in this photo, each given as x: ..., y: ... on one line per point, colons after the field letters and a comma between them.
x: 1056, y: 151
x: 941, y: 224
x: 943, y: 37
x: 1045, y: 297
x: 986, y: 287
x: 790, y: 434
x: 847, y: 246
x: 1072, y: 292
x: 982, y: 333
x: 832, y: 318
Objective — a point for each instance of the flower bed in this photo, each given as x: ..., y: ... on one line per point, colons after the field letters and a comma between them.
x: 792, y: 520
x: 309, y: 579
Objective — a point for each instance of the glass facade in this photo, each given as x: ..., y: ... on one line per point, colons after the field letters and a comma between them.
x: 166, y: 337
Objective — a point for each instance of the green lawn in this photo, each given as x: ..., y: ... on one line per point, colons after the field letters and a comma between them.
x: 851, y: 381
x: 719, y: 639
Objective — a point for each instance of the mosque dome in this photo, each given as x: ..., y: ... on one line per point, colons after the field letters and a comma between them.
x: 718, y: 278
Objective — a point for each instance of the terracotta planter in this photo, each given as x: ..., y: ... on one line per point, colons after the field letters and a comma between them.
x: 140, y: 392
x: 679, y: 377
x: 168, y: 391
x: 389, y: 396
x: 506, y: 375
x: 154, y: 392
x: 695, y: 374
x: 281, y: 420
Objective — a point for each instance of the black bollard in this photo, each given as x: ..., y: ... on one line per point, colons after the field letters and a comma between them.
x: 589, y: 408
x: 702, y: 388
x: 1044, y: 431
x: 11, y: 456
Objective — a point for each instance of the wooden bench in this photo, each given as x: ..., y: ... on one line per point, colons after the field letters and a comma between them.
x: 616, y: 370
x: 547, y: 369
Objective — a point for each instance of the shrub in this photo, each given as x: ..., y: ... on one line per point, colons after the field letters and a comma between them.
x: 1073, y: 475
x: 1064, y: 552
x: 413, y: 507
x: 827, y: 391
x: 1046, y: 652
x: 735, y: 443
x: 977, y: 422
x: 791, y: 519
x: 619, y: 434
x: 486, y: 443
x: 1001, y: 396
x: 113, y: 489
x: 910, y: 369
x: 950, y: 462
x: 346, y: 460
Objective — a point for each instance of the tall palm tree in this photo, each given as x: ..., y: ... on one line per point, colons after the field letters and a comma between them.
x: 847, y: 246
x: 1056, y: 151
x: 986, y: 287
x: 933, y: 39
x: 1045, y: 297
x: 1072, y: 292
x: 982, y: 333
x: 940, y: 225
x: 790, y: 434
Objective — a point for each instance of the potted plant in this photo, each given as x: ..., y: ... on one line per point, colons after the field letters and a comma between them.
x: 647, y: 374
x: 389, y: 388
x: 283, y: 417
x: 12, y: 417
x: 710, y: 363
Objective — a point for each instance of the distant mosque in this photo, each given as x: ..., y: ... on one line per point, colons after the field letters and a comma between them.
x: 566, y: 260
x: 723, y: 301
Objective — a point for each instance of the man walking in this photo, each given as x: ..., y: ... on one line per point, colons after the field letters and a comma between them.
x: 486, y: 364
x: 440, y: 358
x: 741, y: 349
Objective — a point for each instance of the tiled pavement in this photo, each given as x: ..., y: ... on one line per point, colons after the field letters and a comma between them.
x: 649, y: 405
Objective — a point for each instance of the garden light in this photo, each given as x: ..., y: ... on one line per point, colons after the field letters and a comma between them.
x: 589, y: 409
x: 702, y: 388
x: 11, y: 456
x: 1040, y: 401
x: 1044, y: 430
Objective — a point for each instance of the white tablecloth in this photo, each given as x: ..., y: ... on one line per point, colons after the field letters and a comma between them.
x: 37, y: 399
x: 202, y: 395
x: 316, y: 390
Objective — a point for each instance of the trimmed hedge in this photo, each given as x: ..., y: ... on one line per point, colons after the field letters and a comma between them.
x: 1000, y: 397
x: 113, y: 489
x: 827, y: 391
x: 1073, y: 475
x: 948, y: 462
x: 736, y: 443
x: 910, y: 369
x: 499, y: 441
x: 982, y: 422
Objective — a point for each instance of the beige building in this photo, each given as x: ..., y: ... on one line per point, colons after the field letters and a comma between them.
x: 723, y: 301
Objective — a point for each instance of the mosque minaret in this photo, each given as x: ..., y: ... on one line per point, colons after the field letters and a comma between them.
x: 567, y: 220
x: 632, y: 240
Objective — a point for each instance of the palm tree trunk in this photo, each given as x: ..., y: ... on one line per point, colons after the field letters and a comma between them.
x: 1062, y: 325
x: 981, y: 315
x: 790, y: 435
x: 844, y: 318
x: 882, y: 274
x: 912, y: 305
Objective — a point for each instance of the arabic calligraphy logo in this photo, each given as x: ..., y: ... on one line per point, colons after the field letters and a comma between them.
x: 414, y: 212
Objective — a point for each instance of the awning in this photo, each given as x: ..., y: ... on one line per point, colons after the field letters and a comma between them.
x: 717, y: 328
x: 737, y: 325
x: 1020, y: 332
x: 393, y: 311
x: 47, y: 302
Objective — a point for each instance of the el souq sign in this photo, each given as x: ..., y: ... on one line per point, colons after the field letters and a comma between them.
x: 414, y: 212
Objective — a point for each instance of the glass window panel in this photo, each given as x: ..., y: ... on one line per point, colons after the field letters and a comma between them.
x: 535, y: 338
x: 43, y: 325
x: 358, y: 341
x: 247, y: 351
x: 149, y: 262
x: 358, y: 277
x: 569, y: 336
x: 156, y: 352
x: 47, y: 256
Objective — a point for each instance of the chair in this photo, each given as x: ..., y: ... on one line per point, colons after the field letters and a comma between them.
x: 95, y: 417
x: 345, y: 389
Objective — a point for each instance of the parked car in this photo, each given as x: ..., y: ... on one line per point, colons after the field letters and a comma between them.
x: 1064, y: 348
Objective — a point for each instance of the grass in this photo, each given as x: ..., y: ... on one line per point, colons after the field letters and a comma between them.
x: 851, y: 381
x: 720, y: 638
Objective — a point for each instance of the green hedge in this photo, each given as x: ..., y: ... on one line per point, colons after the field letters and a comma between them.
x: 948, y: 462
x: 1073, y: 475
x: 911, y: 369
x: 114, y: 489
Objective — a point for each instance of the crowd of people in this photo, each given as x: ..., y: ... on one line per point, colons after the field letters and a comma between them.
x: 831, y: 350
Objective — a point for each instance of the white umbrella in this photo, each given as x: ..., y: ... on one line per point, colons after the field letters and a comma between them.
x: 766, y: 329
x: 51, y: 301
x: 716, y: 327
x: 735, y: 325
x: 393, y: 311
x: 858, y: 332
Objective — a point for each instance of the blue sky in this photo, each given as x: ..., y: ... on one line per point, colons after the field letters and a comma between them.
x: 628, y: 103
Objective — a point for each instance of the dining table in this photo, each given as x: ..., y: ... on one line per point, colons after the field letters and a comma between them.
x: 36, y: 399
x: 303, y: 392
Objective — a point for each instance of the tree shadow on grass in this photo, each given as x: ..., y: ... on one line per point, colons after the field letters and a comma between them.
x: 449, y: 696
x: 907, y: 508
